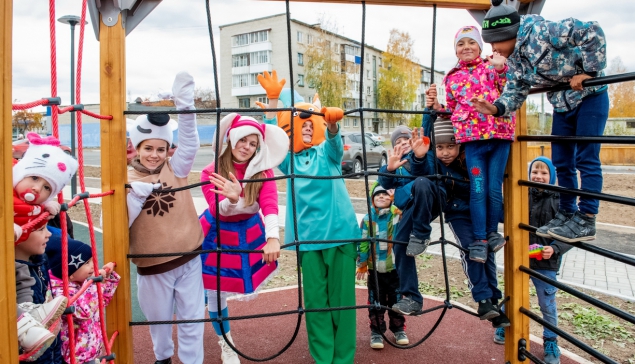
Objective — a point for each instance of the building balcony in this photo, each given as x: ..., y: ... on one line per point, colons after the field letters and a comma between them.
x: 257, y: 68
x: 255, y: 47
x: 248, y: 91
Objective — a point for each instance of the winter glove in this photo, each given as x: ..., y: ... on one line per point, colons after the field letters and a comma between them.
x: 183, y: 91
x: 139, y: 192
x: 52, y: 206
x: 332, y: 114
x: 17, y: 232
x: 271, y: 84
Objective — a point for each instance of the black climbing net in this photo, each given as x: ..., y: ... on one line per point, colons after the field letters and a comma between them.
x: 438, y: 178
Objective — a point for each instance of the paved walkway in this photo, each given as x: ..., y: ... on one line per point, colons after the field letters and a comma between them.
x: 580, y: 268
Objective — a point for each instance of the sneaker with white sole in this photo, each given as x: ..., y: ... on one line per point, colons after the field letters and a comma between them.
x: 407, y: 306
x: 559, y: 220
x: 33, y: 337
x: 228, y: 355
x: 416, y: 246
x: 401, y: 338
x: 499, y: 336
x: 46, y: 313
x: 376, y: 341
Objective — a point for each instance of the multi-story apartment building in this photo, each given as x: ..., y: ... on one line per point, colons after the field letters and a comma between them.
x: 251, y: 47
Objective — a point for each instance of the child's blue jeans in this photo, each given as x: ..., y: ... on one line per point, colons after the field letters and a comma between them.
x: 588, y: 119
x: 547, y: 301
x: 486, y: 161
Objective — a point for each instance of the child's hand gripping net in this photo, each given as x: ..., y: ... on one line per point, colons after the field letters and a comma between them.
x: 535, y: 251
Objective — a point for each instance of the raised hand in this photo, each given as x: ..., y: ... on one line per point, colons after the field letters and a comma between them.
x: 270, y: 83
x: 107, y: 269
x: 419, y: 143
x: 183, y: 91
x: 394, y: 158
x: 483, y: 106
x: 231, y: 188
x: 497, y: 61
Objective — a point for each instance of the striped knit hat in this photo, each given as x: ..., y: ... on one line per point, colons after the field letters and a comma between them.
x: 444, y: 132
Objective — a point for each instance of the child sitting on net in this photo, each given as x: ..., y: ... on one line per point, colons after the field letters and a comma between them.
x: 487, y: 139
x: 37, y: 178
x: 86, y: 318
x: 385, y: 289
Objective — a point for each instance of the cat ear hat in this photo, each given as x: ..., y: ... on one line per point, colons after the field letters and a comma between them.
x: 152, y: 126
x: 273, y: 142
x: 45, y: 159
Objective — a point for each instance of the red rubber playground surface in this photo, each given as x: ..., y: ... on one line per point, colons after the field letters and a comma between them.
x: 459, y: 338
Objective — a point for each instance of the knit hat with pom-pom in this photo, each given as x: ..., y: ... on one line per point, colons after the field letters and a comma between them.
x: 501, y: 22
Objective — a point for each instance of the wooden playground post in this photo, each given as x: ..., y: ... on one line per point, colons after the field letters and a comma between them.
x: 112, y: 41
x: 8, y: 332
x: 517, y: 248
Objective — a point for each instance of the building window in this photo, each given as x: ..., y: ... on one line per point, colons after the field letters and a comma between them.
x: 249, y: 38
x: 355, y: 122
x: 368, y: 74
x: 243, y: 102
x: 630, y: 124
x: 347, y: 122
x: 309, y: 39
x: 240, y: 80
x: 337, y: 48
x: 368, y: 90
x: 300, y: 37
x: 367, y: 58
x: 301, y: 80
x: 261, y: 57
x: 240, y: 60
x: 253, y: 79
x: 300, y: 59
x: 263, y: 99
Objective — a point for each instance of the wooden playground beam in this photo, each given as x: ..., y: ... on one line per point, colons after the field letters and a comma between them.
x: 8, y: 332
x: 453, y: 4
x: 112, y: 80
x: 517, y: 248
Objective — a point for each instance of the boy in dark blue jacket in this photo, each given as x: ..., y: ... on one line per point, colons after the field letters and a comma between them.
x: 31, y: 254
x: 419, y: 200
x: 546, y: 53
x: 482, y: 280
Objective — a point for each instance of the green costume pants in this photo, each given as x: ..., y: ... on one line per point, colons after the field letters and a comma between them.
x: 329, y: 281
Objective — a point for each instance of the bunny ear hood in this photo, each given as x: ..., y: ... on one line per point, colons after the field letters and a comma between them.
x: 273, y: 141
x: 46, y: 160
x: 152, y: 126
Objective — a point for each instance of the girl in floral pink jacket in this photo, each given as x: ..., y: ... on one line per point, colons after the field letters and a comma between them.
x: 89, y: 342
x: 487, y: 138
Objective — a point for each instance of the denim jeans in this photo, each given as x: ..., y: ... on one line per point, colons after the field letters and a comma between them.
x: 547, y: 301
x: 415, y: 219
x: 486, y: 161
x: 588, y: 119
x: 482, y: 280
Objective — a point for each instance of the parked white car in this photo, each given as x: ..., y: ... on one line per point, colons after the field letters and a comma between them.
x: 375, y: 137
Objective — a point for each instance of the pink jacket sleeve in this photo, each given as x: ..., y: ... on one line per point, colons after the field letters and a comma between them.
x: 85, y: 302
x: 268, y: 198
x: 109, y: 286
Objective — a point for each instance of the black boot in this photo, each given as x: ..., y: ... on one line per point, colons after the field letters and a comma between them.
x: 164, y: 361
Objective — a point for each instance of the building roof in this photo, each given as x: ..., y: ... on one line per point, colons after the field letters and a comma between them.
x: 317, y: 27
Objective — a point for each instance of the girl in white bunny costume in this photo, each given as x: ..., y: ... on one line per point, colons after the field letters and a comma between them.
x: 167, y: 223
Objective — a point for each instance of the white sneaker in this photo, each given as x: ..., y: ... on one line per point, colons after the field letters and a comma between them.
x: 228, y: 355
x: 33, y: 338
x: 46, y: 313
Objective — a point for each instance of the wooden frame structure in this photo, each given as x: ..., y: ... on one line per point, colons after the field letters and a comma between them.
x: 114, y: 176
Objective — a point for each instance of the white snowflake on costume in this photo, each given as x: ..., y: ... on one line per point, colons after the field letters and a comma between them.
x: 77, y: 263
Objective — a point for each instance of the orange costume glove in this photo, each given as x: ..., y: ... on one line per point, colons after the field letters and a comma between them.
x: 332, y: 114
x: 270, y: 83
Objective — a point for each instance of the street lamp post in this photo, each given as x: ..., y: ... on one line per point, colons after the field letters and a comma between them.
x: 72, y: 20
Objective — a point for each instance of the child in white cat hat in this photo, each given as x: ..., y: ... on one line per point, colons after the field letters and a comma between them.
x: 37, y: 178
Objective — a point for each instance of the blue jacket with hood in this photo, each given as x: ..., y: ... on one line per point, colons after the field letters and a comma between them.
x: 543, y: 206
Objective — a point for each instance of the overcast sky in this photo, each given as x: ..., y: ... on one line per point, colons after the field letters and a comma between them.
x: 174, y: 37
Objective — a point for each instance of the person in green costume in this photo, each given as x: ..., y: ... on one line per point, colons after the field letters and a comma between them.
x: 324, y: 212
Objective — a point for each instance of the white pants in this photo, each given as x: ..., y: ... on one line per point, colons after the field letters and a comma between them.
x: 158, y: 295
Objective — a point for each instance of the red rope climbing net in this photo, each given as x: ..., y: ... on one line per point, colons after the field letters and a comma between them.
x: 55, y: 111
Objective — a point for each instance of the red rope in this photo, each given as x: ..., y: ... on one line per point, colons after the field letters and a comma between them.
x: 80, y: 160
x: 29, y: 105
x: 96, y: 116
x: 102, y: 194
x: 64, y: 110
x: 54, y: 118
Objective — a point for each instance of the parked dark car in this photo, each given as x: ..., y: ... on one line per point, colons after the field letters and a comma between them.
x: 376, y: 155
